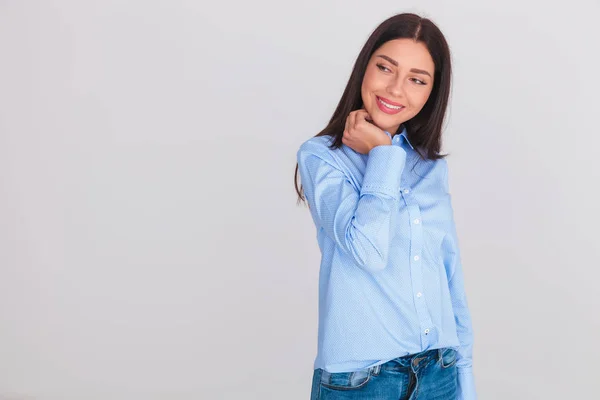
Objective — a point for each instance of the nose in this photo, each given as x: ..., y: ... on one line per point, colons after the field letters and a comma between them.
x: 396, y: 89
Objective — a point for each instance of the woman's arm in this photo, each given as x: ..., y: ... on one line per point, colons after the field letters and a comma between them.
x: 357, y: 221
x: 453, y: 263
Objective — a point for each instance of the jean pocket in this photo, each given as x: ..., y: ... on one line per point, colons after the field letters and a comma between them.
x: 346, y: 380
x: 448, y: 357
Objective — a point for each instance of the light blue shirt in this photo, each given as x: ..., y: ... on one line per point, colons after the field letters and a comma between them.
x: 391, y: 279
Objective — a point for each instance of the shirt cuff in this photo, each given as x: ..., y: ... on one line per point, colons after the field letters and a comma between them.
x: 384, y: 170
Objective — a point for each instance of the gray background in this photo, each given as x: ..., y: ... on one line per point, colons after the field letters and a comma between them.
x: 150, y: 243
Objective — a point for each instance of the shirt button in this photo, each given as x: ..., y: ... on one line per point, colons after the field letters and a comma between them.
x: 426, y: 331
x: 406, y: 190
x: 417, y: 258
x: 419, y: 294
x: 416, y: 221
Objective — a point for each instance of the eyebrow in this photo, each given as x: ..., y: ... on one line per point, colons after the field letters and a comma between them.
x: 415, y: 70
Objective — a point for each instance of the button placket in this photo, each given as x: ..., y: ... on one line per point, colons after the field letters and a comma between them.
x: 416, y: 247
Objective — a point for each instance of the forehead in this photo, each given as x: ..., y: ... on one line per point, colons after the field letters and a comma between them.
x: 408, y: 54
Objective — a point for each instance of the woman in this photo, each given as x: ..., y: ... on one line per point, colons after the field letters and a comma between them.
x: 393, y: 316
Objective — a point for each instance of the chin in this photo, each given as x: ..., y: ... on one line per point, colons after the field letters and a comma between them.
x: 385, y: 125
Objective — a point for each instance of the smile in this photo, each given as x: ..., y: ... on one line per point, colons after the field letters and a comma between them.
x: 389, y: 108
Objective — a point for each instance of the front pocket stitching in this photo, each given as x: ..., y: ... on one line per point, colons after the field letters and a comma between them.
x: 451, y: 363
x: 335, y: 387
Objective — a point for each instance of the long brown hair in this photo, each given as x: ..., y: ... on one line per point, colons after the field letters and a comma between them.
x: 424, y: 130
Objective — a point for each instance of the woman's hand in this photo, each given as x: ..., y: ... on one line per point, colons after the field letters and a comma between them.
x: 362, y: 135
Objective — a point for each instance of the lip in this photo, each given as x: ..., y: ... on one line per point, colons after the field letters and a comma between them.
x: 390, y: 102
x: 388, y: 110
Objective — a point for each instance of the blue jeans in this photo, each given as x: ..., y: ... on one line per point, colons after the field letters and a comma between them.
x: 427, y: 375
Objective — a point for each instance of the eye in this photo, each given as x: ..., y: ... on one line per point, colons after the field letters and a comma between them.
x: 382, y: 67
x: 418, y: 81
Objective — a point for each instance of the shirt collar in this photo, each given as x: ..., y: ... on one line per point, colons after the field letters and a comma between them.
x: 403, y: 134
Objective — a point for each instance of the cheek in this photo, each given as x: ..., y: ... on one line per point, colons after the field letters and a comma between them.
x: 367, y: 82
x: 374, y: 80
x: 418, y: 99
x: 369, y: 85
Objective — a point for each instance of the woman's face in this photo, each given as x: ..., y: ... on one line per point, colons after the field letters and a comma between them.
x: 400, y: 73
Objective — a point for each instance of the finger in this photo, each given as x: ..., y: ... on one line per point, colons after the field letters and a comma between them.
x: 362, y: 114
x: 352, y: 120
x: 345, y: 139
x: 347, y: 125
x: 359, y: 117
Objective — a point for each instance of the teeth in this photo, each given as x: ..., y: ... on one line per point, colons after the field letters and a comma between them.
x: 389, y: 105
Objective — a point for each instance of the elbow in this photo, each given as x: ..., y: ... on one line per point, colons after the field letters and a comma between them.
x: 368, y: 253
x: 374, y: 263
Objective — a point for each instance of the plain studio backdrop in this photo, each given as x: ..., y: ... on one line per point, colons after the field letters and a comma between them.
x: 150, y: 242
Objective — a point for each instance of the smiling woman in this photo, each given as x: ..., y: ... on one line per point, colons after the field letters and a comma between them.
x: 393, y: 314
x: 405, y: 62
x: 394, y: 92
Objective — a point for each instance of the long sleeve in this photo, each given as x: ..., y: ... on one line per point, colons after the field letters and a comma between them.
x: 453, y: 263
x: 358, y: 221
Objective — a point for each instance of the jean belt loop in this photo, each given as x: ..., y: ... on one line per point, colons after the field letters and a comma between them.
x: 377, y: 369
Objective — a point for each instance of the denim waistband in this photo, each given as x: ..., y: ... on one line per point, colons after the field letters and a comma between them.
x: 413, y: 361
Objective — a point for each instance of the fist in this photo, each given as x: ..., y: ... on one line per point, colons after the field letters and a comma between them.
x: 361, y: 134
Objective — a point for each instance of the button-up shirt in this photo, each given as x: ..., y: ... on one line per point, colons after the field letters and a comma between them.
x: 390, y: 279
